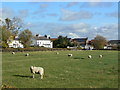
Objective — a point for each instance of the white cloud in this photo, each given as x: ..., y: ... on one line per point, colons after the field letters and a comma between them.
x: 6, y: 13
x: 70, y: 4
x: 68, y: 15
x: 82, y: 30
x: 23, y: 13
x: 73, y: 35
x: 80, y: 25
x: 96, y: 4
x: 112, y: 14
x: 43, y: 5
x: 109, y: 31
x: 52, y: 14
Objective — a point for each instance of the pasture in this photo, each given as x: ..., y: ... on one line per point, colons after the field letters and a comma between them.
x: 61, y: 71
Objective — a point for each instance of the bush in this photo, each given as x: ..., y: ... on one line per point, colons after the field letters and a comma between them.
x: 4, y: 45
x: 79, y: 48
x: 5, y: 87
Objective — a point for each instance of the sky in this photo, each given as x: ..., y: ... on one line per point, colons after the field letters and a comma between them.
x: 71, y: 19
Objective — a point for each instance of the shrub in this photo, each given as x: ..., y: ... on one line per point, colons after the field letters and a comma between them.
x: 5, y: 87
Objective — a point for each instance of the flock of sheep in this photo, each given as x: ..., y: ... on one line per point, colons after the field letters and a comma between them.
x: 27, y: 54
x: 40, y: 70
x: 69, y: 55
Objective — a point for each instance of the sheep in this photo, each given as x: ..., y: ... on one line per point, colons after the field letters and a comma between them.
x: 57, y: 52
x: 27, y: 54
x: 37, y: 70
x: 70, y: 55
x: 13, y: 52
x: 89, y: 56
x: 100, y: 56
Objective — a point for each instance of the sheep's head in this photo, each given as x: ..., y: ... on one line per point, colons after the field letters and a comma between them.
x: 31, y: 69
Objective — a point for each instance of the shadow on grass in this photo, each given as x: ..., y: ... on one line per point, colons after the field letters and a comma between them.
x: 23, y: 76
x: 78, y: 58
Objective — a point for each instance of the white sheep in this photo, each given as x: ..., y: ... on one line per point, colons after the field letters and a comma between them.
x: 37, y: 70
x: 13, y: 52
x: 57, y: 52
x: 27, y: 54
x: 89, y: 56
x: 70, y: 55
x: 100, y: 56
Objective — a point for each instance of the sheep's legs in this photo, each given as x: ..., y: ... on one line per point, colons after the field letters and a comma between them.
x: 33, y: 75
x: 41, y: 76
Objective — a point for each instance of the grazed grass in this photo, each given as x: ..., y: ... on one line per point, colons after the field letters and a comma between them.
x: 62, y: 71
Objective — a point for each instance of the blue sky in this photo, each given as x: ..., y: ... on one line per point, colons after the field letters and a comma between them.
x: 72, y: 19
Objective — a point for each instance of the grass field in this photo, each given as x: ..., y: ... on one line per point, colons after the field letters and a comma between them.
x: 61, y: 71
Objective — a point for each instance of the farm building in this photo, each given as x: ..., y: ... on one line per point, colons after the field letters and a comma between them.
x: 82, y: 42
x: 111, y: 44
x: 43, y: 41
x: 14, y: 42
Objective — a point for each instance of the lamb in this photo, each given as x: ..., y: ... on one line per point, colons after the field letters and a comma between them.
x: 100, y: 56
x: 70, y: 55
x: 37, y: 70
x: 89, y: 56
x: 13, y: 52
x: 57, y: 52
x: 27, y: 54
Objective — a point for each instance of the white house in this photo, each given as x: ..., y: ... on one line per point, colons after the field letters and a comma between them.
x: 15, y: 43
x: 43, y: 41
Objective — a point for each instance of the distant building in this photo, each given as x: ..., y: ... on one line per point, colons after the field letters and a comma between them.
x: 43, y: 41
x: 53, y: 39
x: 15, y: 43
x: 111, y: 44
x: 82, y: 42
x: 89, y: 45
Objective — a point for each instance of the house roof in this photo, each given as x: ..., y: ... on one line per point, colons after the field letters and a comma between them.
x: 53, y: 39
x: 41, y: 38
x: 80, y: 39
x: 114, y: 42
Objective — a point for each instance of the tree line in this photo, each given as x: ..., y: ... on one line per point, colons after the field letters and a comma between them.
x: 10, y: 28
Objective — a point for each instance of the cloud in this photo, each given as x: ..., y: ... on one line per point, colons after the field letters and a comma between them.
x: 70, y: 30
x: 52, y: 14
x: 68, y: 15
x: 23, y: 13
x: 73, y: 35
x: 113, y: 14
x: 7, y: 13
x: 41, y: 9
x: 10, y: 13
x: 43, y: 5
x: 96, y: 4
x: 70, y: 4
x: 109, y: 31
x: 83, y: 30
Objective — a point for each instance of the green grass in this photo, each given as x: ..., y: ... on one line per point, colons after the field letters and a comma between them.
x: 62, y: 71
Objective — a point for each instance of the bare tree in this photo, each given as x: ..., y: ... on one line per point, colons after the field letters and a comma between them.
x: 14, y: 25
x: 99, y: 42
x: 25, y: 37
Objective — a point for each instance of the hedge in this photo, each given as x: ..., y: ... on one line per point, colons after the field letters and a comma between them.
x: 40, y: 49
x: 34, y: 49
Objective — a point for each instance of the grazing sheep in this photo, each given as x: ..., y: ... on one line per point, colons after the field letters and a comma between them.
x: 57, y: 52
x: 13, y: 52
x: 70, y: 55
x: 27, y: 54
x: 37, y: 70
x: 89, y: 56
x: 100, y: 56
